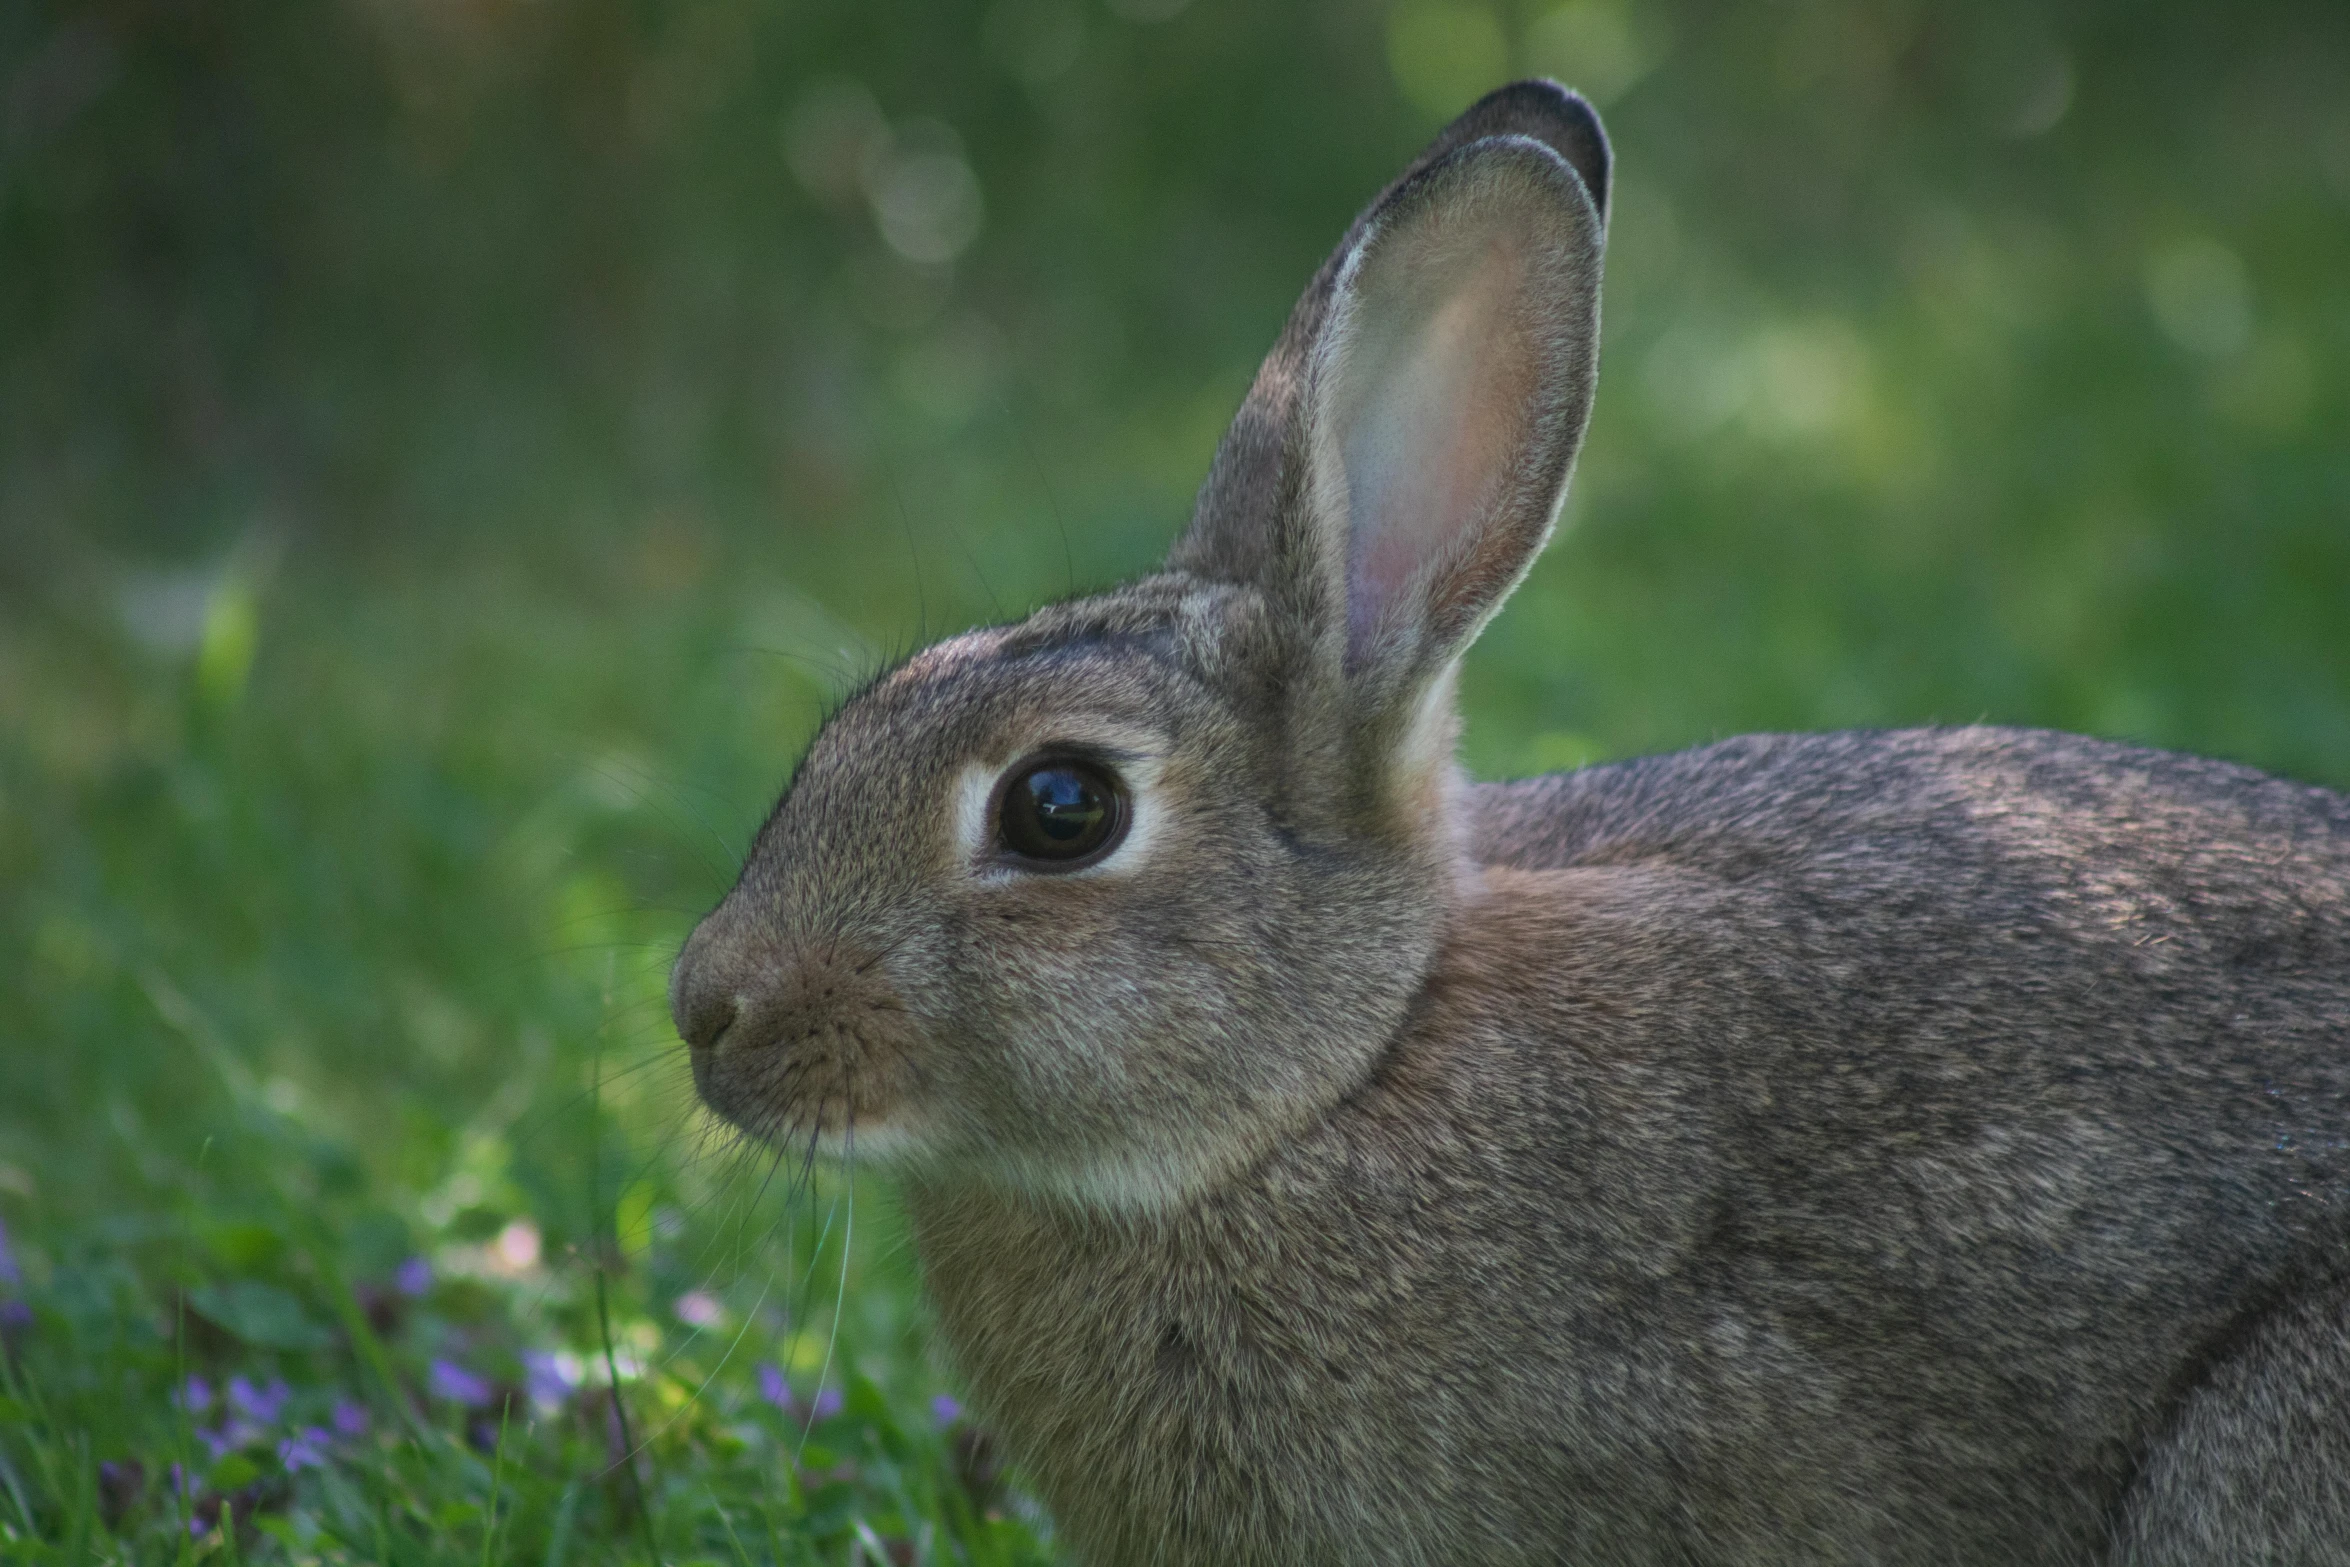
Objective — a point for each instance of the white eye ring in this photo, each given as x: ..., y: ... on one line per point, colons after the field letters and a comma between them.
x: 979, y: 790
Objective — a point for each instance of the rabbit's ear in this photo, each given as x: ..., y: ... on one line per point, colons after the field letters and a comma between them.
x: 1447, y: 396
x: 1399, y: 462
x: 1237, y: 526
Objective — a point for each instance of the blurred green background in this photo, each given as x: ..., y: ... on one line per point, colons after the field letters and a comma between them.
x: 451, y: 450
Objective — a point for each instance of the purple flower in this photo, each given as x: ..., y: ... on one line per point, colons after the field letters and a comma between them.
x: 945, y: 1409
x: 413, y: 1277
x: 233, y: 1436
x: 777, y: 1391
x: 195, y: 1395
x: 305, y: 1449
x: 453, y: 1382
x: 10, y: 1274
x: 120, y: 1482
x: 773, y: 1388
x: 350, y: 1417
x: 260, y: 1405
x: 550, y: 1379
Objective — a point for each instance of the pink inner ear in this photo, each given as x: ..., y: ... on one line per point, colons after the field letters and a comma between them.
x: 1431, y: 414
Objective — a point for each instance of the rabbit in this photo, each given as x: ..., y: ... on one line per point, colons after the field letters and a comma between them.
x: 1898, y: 1147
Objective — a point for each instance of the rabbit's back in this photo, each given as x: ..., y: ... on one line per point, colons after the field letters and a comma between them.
x: 2072, y: 902
x: 1953, y: 797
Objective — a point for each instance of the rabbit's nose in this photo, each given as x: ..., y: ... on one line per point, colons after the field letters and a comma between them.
x: 702, y: 997
x: 704, y: 1015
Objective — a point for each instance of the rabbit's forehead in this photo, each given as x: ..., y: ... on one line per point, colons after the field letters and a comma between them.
x: 969, y: 702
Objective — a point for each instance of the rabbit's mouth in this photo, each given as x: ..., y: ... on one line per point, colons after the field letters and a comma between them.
x: 805, y: 1049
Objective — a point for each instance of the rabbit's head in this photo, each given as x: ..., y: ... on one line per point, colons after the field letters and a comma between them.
x: 1101, y: 905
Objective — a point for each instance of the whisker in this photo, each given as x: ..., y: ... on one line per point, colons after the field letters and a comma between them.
x: 841, y: 1297
x: 906, y: 525
x: 1068, y: 560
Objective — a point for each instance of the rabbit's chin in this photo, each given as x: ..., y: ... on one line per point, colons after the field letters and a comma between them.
x: 905, y: 1142
x: 1149, y: 1174
x: 889, y: 1143
x: 893, y: 1140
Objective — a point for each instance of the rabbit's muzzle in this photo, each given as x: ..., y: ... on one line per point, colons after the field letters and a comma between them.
x: 793, y: 1041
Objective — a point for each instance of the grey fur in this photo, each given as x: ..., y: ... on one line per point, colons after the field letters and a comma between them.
x: 1904, y: 1148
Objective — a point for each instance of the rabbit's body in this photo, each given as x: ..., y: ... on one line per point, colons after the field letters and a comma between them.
x: 1806, y: 1148
x: 1904, y: 1148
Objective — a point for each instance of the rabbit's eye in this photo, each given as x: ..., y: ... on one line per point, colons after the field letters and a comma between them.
x: 1059, y: 813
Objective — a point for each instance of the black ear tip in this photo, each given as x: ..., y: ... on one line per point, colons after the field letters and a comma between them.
x: 1559, y: 117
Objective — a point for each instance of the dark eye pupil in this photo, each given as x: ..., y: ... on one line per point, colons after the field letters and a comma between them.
x: 1059, y: 812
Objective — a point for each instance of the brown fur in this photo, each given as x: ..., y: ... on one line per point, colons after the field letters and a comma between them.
x: 1905, y: 1148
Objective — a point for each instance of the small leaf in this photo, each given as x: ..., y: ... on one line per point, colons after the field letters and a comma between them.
x: 260, y: 1314
x: 233, y: 1471
x: 243, y: 1246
